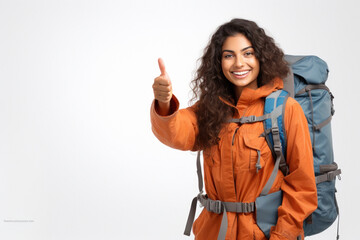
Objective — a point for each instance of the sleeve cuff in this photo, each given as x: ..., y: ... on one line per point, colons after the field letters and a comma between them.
x: 174, y: 107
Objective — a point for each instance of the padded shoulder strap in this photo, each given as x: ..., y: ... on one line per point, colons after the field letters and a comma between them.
x: 275, y: 105
x: 276, y: 100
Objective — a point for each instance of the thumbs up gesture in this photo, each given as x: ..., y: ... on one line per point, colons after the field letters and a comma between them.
x: 162, y: 88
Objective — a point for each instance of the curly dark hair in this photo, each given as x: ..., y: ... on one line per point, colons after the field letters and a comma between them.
x: 210, y: 83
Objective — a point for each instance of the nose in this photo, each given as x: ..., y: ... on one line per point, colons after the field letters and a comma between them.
x: 239, y: 62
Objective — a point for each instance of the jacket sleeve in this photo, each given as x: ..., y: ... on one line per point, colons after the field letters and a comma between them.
x: 299, y: 186
x: 178, y: 129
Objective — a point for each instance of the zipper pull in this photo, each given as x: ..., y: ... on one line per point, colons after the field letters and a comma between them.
x: 258, y: 166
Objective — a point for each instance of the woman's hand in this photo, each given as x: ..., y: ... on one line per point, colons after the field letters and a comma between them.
x: 162, y: 90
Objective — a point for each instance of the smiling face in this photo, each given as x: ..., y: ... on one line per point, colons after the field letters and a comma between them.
x: 239, y: 64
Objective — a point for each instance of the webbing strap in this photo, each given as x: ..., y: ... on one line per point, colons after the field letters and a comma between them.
x: 325, y: 122
x: 192, y: 211
x: 312, y: 87
x: 329, y: 176
x: 328, y: 167
x: 250, y: 119
x: 223, y: 226
x: 191, y: 217
x: 199, y: 173
x: 312, y: 118
x: 217, y: 206
x: 279, y: 156
x: 283, y: 166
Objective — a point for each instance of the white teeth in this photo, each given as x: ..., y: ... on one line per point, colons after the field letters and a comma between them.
x: 241, y: 73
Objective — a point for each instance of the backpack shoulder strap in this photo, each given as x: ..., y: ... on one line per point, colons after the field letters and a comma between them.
x: 274, y: 126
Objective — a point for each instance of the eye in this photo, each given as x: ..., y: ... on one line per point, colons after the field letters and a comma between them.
x: 248, y: 53
x: 228, y: 56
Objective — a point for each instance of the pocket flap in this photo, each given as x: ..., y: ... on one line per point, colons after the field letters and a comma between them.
x: 253, y: 141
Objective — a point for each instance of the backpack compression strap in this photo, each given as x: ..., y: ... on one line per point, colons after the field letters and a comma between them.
x: 308, y: 90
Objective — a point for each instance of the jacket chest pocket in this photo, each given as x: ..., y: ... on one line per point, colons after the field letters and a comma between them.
x: 252, y: 152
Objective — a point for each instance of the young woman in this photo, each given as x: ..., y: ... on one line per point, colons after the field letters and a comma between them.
x: 240, y: 67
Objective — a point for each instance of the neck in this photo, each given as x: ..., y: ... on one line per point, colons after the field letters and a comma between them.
x: 238, y: 91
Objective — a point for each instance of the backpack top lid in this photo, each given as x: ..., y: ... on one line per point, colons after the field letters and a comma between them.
x: 311, y: 68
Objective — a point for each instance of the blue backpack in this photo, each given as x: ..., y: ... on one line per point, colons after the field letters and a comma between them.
x: 305, y: 83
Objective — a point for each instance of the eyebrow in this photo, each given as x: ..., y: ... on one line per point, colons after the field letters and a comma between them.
x: 240, y: 50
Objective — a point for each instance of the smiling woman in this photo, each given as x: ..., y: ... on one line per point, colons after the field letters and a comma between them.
x: 211, y: 79
x: 240, y: 67
x: 239, y: 64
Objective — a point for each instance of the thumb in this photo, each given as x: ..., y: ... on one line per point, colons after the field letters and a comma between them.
x: 162, y: 67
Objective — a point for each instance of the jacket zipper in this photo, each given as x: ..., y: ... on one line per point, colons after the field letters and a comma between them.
x: 233, y: 138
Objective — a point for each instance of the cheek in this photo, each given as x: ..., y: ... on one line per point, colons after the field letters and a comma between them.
x: 224, y: 66
x: 256, y: 66
x: 225, y: 69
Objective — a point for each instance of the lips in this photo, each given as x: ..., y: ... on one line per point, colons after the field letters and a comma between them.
x: 241, y: 74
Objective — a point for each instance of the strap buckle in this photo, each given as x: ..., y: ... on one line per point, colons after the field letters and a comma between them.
x: 275, y: 130
x: 276, y: 134
x: 248, y: 119
x: 216, y: 206
x: 332, y: 175
x: 247, y: 207
x: 277, y: 148
x: 284, y: 168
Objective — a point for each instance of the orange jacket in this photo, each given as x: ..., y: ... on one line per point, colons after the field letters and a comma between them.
x: 229, y: 167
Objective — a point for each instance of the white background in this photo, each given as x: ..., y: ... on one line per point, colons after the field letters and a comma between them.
x: 78, y: 159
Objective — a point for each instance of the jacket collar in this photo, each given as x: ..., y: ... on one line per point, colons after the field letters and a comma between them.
x: 249, y: 96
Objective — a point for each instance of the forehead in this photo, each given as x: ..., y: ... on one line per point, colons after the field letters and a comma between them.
x: 236, y: 42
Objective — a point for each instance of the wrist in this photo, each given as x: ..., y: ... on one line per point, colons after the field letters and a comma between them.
x: 162, y: 108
